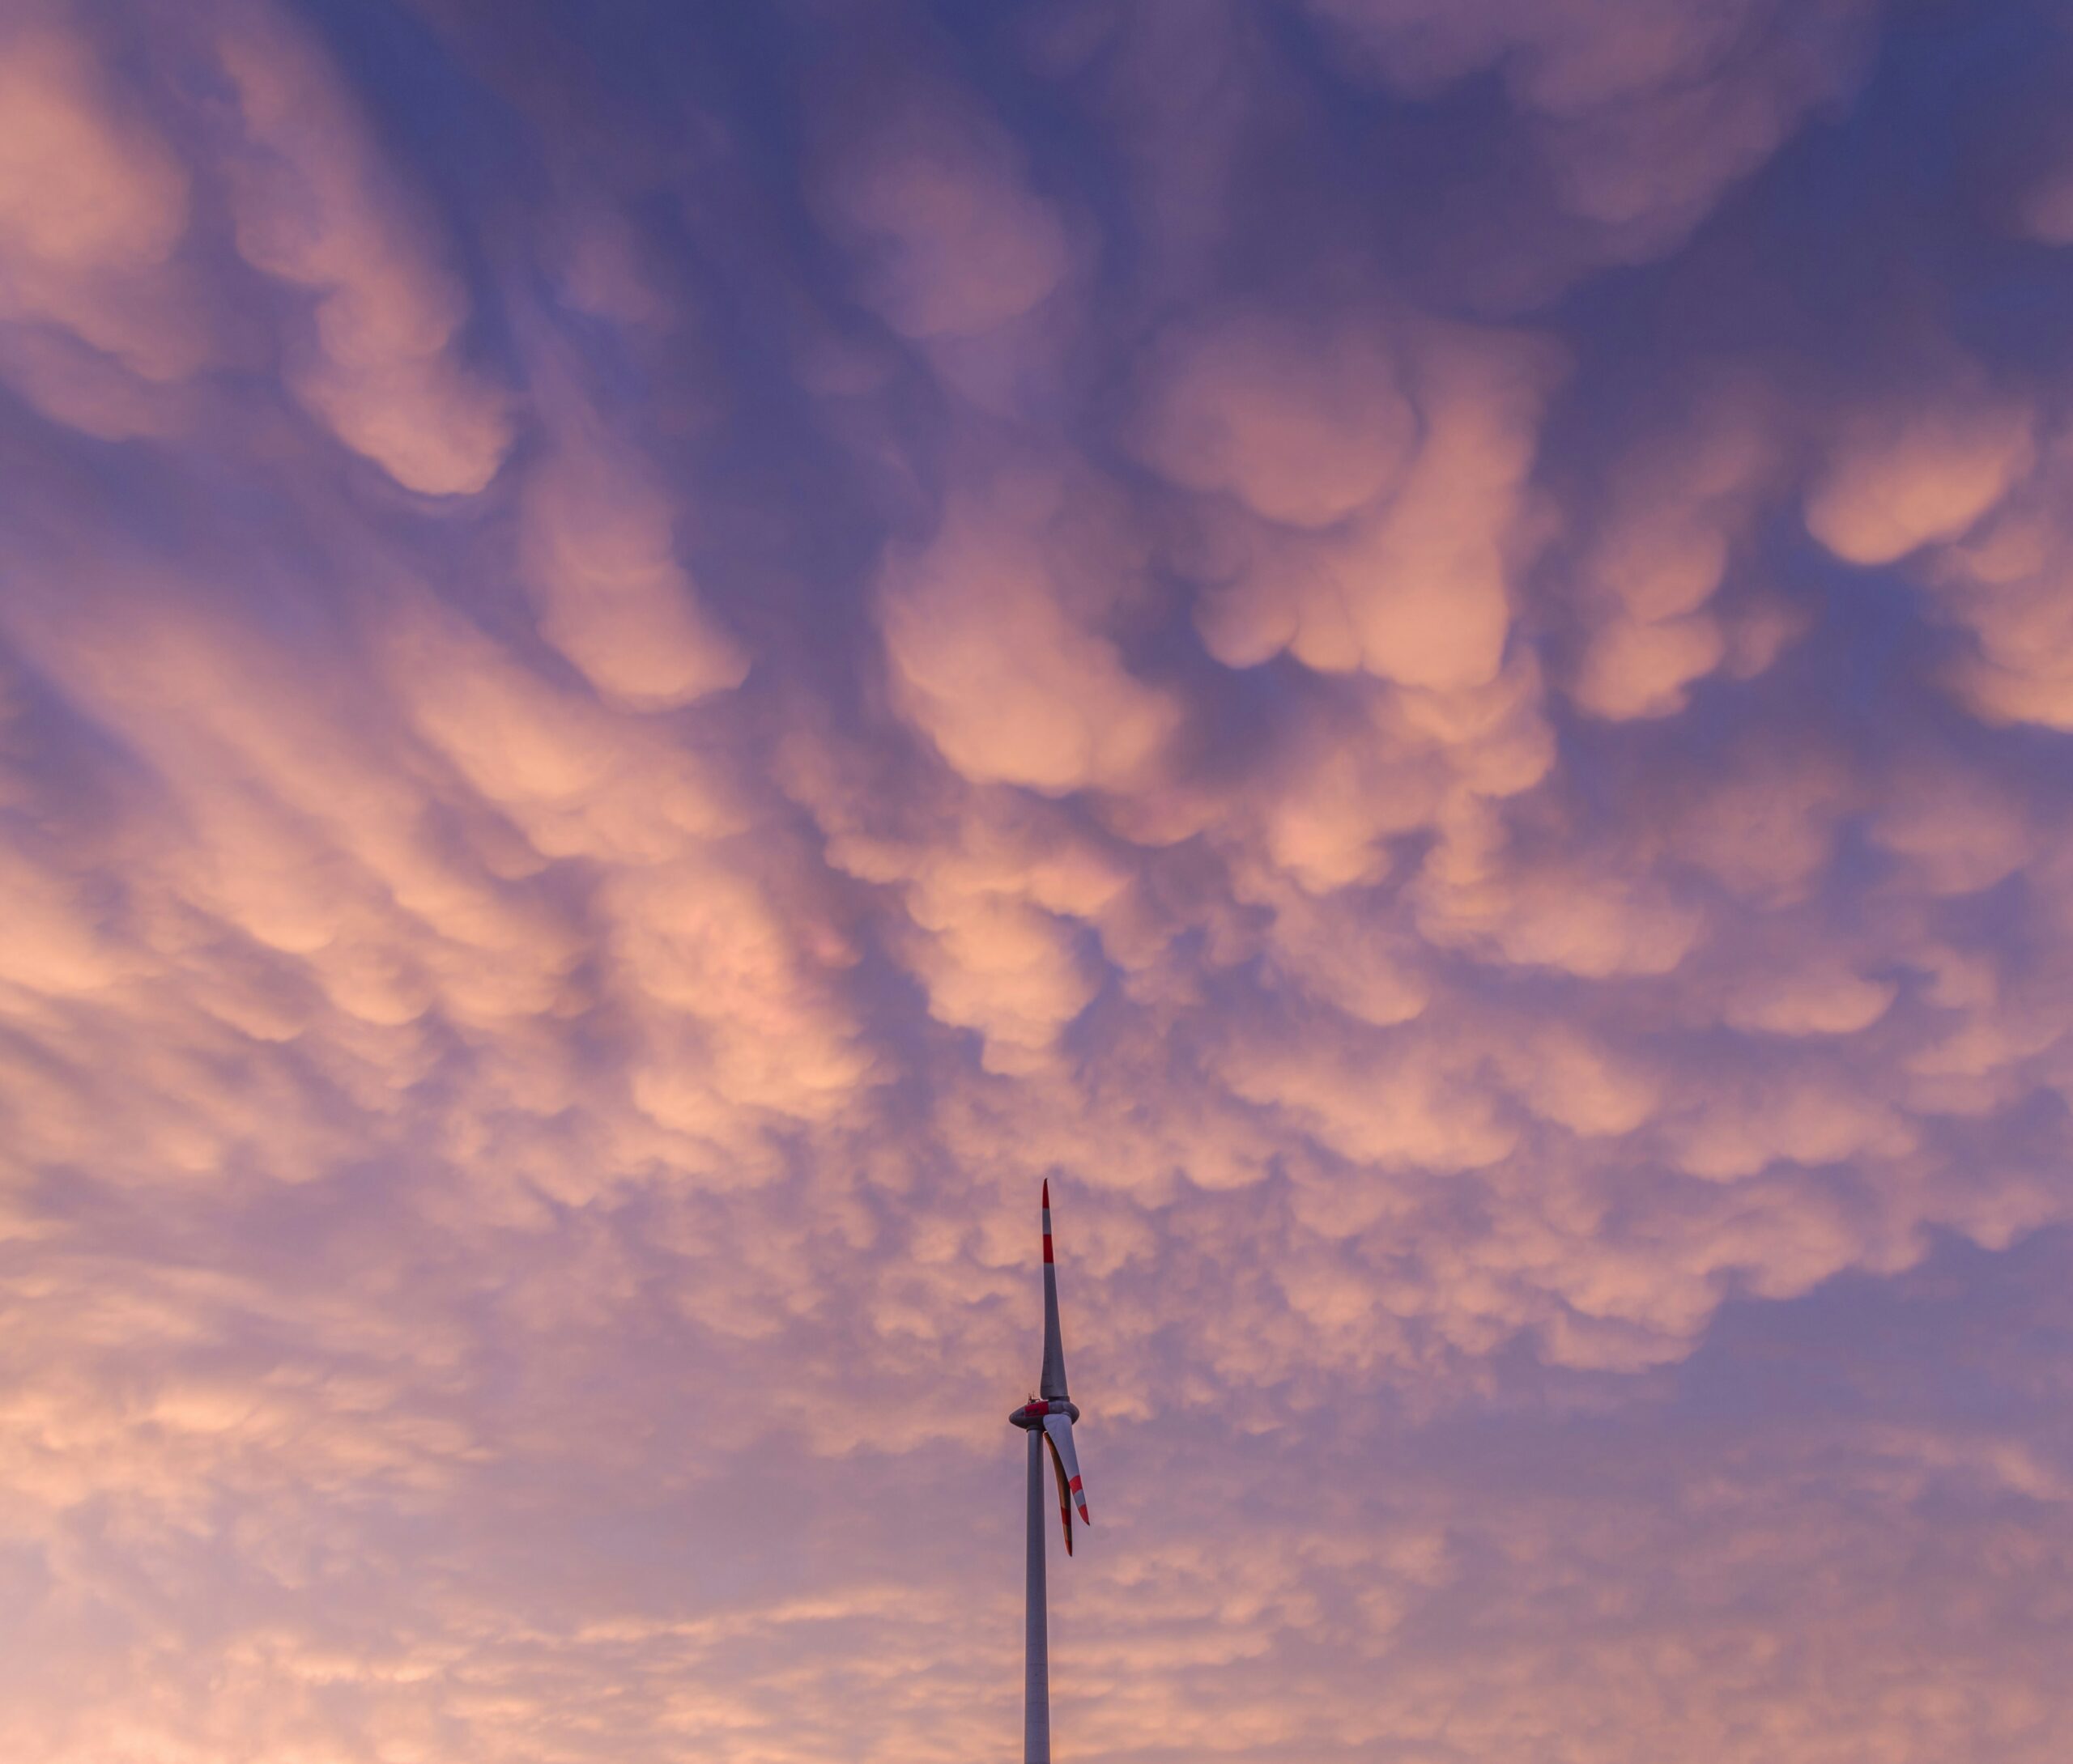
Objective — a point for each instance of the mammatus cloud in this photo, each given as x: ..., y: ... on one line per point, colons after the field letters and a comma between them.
x: 1643, y: 111
x: 599, y: 552
x: 313, y: 205
x: 101, y: 313
x: 649, y: 663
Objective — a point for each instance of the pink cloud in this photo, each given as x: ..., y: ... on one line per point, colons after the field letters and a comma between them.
x: 99, y: 314
x: 993, y: 631
x: 599, y: 551
x: 1898, y: 481
x: 949, y: 240
x: 1302, y: 432
x: 315, y: 206
x: 1416, y: 588
x: 1680, y: 506
x: 1647, y: 110
x: 1510, y: 874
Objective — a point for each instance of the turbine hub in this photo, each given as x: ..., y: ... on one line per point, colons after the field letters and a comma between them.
x: 1031, y: 1414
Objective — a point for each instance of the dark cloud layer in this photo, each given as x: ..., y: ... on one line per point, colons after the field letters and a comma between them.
x: 652, y: 656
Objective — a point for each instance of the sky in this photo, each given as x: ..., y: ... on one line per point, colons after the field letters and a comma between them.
x: 653, y: 657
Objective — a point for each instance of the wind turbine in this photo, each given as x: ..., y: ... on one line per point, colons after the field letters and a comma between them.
x: 1047, y: 1418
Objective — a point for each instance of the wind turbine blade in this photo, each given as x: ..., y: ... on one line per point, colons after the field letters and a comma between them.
x: 1051, y: 1386
x: 1057, y: 1429
x: 1065, y: 1500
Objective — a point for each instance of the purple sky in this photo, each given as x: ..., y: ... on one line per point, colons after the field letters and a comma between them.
x: 653, y: 655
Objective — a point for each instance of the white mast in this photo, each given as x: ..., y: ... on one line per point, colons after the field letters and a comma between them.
x: 1047, y: 1418
x: 1036, y: 1668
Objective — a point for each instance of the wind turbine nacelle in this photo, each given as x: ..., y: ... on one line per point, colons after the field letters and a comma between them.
x: 1031, y: 1414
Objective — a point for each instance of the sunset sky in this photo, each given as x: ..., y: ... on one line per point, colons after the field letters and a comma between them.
x: 654, y: 653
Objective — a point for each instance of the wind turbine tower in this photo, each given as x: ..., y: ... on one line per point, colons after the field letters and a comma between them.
x: 1047, y: 1418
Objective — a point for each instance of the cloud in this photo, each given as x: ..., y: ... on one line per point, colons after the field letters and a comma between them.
x: 1646, y: 112
x: 1898, y: 481
x: 1416, y: 587
x: 599, y: 551
x: 1649, y: 577
x: 1303, y: 430
x: 314, y: 205
x: 948, y: 240
x: 648, y: 665
x: 993, y: 631
x: 98, y: 312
